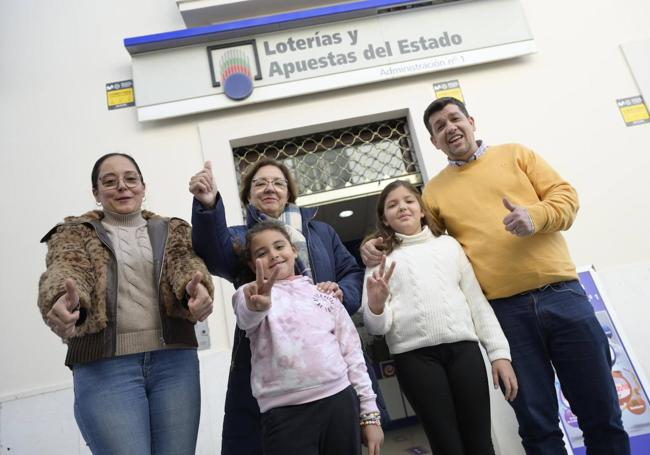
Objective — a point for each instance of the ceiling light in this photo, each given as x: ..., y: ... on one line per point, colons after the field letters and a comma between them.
x: 346, y: 213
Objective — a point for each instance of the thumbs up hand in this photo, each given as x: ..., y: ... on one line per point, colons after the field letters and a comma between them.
x: 202, y: 186
x: 65, y: 312
x: 199, y: 303
x: 518, y: 222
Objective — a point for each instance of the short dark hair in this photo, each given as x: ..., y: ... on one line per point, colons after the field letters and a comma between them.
x: 247, y: 179
x: 94, y: 175
x: 438, y: 105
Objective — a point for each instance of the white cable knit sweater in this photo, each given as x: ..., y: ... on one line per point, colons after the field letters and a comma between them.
x: 434, y: 299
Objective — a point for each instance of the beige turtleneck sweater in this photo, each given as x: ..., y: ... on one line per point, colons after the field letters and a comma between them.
x: 138, y: 315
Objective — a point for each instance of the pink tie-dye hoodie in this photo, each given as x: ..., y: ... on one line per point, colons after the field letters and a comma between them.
x: 305, y: 347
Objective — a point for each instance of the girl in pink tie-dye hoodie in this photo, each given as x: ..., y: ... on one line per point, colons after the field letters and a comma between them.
x: 308, y: 371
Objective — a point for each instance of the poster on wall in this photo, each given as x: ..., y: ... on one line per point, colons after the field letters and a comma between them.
x: 633, y: 110
x: 629, y: 380
x: 449, y: 88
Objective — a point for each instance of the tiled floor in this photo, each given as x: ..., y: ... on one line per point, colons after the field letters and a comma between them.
x: 405, y: 441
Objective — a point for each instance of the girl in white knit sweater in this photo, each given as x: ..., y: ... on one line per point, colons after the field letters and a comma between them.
x: 425, y: 299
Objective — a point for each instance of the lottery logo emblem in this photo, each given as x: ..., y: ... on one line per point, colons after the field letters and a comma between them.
x: 236, y: 74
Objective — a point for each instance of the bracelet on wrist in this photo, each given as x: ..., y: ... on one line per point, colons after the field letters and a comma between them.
x: 370, y: 418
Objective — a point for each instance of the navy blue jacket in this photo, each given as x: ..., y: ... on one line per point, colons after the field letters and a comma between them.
x: 213, y: 241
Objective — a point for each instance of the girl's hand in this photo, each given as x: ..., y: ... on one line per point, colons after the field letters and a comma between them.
x: 330, y: 287
x: 65, y: 312
x: 258, y: 293
x: 377, y: 286
x: 502, y: 370
x: 199, y: 303
x: 373, y: 438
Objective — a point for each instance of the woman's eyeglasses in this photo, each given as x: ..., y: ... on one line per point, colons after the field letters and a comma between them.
x: 262, y: 183
x: 111, y: 182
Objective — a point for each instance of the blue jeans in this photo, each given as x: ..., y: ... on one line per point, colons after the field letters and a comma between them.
x: 555, y: 327
x: 146, y: 403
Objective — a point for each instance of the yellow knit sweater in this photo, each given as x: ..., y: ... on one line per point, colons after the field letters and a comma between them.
x: 467, y: 202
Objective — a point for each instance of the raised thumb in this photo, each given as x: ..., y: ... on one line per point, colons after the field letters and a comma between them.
x: 196, y: 279
x: 507, y: 204
x: 71, y: 293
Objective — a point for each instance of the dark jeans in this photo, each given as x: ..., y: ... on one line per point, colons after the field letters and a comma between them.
x: 329, y: 426
x: 448, y: 388
x: 241, y: 433
x: 555, y: 327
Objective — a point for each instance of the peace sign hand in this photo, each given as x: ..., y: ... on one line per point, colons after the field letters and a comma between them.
x: 258, y: 293
x: 377, y: 286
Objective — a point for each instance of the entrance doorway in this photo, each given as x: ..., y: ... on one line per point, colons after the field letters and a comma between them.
x: 342, y: 173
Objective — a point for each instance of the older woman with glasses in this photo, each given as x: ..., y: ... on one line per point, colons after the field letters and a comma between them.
x: 268, y: 190
x: 123, y: 288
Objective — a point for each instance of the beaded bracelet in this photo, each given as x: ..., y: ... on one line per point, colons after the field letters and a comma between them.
x: 370, y: 418
x: 377, y: 422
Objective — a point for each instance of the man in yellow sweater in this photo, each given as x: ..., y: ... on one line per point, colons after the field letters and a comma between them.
x: 506, y: 206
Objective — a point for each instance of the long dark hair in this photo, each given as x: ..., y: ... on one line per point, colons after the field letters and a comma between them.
x: 391, y: 241
x: 94, y: 175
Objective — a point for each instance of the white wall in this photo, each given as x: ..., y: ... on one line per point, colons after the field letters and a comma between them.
x: 57, y: 56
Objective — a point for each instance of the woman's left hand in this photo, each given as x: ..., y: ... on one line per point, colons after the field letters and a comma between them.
x: 502, y: 370
x: 200, y: 303
x: 331, y: 287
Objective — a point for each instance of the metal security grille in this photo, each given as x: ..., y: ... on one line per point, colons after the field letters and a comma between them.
x: 343, y: 159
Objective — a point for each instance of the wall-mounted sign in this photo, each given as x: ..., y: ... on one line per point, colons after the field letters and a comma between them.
x: 448, y: 88
x: 184, y: 80
x: 120, y: 94
x: 633, y: 110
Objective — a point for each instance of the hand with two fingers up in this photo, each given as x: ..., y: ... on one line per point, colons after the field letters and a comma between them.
x: 258, y: 293
x: 377, y: 286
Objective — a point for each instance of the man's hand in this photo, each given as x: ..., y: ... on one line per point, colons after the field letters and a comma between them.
x: 200, y: 303
x: 518, y: 221
x: 65, y: 312
x: 258, y: 293
x: 502, y: 370
x: 203, y: 188
x: 377, y: 286
x: 370, y: 255
x: 331, y: 287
